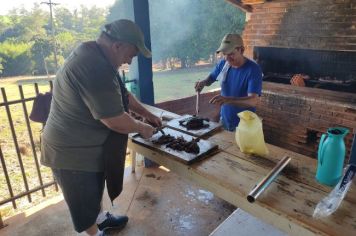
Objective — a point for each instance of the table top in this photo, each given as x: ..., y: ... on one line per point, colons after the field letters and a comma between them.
x: 288, y: 203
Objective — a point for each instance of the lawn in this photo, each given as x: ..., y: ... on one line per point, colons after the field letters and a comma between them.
x: 22, y: 135
x: 168, y: 85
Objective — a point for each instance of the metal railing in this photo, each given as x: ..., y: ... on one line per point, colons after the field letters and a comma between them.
x: 41, y: 185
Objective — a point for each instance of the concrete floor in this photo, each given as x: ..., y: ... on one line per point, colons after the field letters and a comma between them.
x: 157, y: 202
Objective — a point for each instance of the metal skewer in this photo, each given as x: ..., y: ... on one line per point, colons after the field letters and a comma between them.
x: 197, y: 104
x: 266, y: 181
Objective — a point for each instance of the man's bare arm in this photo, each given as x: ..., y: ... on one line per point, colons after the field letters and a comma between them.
x: 137, y: 107
x: 201, y: 84
x: 125, y: 124
x: 251, y: 100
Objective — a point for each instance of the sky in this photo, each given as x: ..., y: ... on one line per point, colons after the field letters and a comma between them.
x: 70, y: 4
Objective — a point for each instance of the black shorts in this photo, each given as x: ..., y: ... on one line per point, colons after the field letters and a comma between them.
x: 83, y: 192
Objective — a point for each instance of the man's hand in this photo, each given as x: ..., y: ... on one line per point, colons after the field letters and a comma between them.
x: 199, y: 85
x: 154, y: 120
x: 220, y: 100
x: 145, y: 130
x: 243, y: 102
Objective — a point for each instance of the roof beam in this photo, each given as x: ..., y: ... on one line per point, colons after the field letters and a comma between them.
x: 238, y: 4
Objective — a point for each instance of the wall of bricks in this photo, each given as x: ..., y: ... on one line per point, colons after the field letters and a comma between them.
x: 308, y: 24
x: 293, y: 117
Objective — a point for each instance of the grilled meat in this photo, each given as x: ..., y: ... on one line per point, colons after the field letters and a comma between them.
x: 164, y: 139
x: 194, y: 122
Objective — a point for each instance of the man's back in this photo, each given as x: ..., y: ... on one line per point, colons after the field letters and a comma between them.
x: 85, y: 90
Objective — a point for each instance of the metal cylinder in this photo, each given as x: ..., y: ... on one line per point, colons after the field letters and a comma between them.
x: 266, y: 181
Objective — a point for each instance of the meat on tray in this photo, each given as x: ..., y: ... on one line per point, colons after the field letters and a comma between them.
x: 194, y: 122
x: 164, y: 139
x: 179, y: 143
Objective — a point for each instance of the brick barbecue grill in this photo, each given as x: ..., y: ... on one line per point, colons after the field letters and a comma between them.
x: 316, y: 38
x: 326, y: 69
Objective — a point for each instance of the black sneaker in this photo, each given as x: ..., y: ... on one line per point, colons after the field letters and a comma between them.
x: 113, y: 222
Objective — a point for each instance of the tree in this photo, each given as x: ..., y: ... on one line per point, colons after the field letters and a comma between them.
x: 185, y: 29
x: 24, y: 25
x: 40, y: 50
x: 16, y: 58
x: 1, y: 66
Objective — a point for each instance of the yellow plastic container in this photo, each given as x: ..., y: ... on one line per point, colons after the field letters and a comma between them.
x: 249, y: 134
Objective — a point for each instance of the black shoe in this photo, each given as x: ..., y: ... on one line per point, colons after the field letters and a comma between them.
x: 113, y: 222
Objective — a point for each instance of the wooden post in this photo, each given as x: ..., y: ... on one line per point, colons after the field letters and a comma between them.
x: 133, y: 159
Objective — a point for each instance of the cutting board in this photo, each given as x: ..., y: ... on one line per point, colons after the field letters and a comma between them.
x: 174, y: 124
x: 206, y: 147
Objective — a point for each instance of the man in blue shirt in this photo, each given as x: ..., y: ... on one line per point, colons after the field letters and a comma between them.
x: 240, y: 79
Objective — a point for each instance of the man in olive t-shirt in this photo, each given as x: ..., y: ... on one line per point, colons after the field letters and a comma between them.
x: 89, y: 101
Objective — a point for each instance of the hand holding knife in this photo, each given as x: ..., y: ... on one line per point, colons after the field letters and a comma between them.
x: 160, y: 129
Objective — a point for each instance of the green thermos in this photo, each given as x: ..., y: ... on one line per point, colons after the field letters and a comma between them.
x: 331, y: 156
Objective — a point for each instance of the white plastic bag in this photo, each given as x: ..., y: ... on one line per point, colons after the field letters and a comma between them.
x: 330, y: 203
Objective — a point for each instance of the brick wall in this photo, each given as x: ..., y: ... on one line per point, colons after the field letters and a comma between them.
x: 308, y: 24
x: 293, y: 117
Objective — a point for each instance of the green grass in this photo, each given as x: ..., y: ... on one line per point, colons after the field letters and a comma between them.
x: 168, y: 85
x: 171, y: 85
x: 22, y: 135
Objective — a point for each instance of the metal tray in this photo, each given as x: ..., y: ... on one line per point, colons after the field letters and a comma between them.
x: 174, y: 124
x: 206, y: 147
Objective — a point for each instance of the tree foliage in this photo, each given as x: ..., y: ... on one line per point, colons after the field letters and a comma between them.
x: 15, y: 58
x: 27, y: 44
x: 185, y: 30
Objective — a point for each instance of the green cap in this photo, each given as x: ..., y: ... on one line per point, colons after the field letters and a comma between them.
x: 229, y: 43
x: 129, y: 32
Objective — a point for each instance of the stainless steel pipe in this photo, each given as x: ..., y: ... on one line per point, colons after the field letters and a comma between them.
x: 261, y: 186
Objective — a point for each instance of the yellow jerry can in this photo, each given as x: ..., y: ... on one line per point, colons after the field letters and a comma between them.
x: 249, y: 134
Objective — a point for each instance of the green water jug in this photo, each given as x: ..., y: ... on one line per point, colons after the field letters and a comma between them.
x: 331, y: 155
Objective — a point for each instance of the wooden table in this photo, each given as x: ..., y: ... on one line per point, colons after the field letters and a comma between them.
x: 288, y: 203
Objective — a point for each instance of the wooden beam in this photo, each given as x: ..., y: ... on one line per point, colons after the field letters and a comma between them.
x: 252, y: 2
x: 238, y: 4
x: 288, y: 203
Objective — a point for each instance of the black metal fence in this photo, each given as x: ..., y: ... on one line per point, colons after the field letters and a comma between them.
x: 17, y: 159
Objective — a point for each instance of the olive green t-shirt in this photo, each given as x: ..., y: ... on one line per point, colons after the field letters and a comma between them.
x: 85, y: 90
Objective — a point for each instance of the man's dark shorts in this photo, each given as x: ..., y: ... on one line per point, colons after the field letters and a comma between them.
x: 83, y: 193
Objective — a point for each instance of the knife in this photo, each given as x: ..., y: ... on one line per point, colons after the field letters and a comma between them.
x: 160, y: 129
x: 197, y: 104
